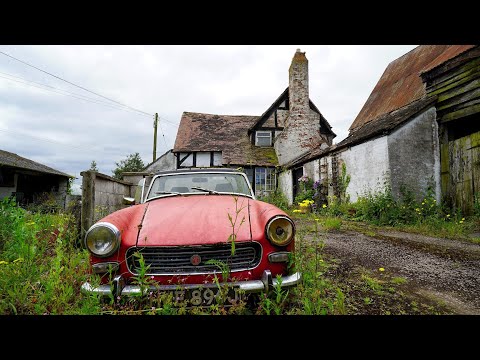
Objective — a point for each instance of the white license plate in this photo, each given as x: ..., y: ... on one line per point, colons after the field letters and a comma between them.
x: 208, y: 296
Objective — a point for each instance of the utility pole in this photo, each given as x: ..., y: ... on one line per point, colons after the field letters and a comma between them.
x: 155, y: 123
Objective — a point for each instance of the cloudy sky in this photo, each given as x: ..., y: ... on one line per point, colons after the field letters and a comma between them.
x: 64, y: 126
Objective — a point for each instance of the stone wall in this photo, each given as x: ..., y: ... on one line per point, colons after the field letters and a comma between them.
x: 165, y: 162
x: 415, y: 156
x: 285, y: 185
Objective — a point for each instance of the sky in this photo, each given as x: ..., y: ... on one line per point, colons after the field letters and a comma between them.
x: 74, y: 104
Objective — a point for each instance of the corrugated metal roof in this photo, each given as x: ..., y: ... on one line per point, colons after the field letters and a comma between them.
x: 225, y: 133
x: 401, y: 83
x: 14, y: 160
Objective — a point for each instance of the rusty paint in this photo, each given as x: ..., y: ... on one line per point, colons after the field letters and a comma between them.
x: 401, y: 83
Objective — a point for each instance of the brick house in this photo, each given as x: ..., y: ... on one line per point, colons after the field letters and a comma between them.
x: 261, y: 145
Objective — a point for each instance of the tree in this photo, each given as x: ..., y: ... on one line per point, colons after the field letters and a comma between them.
x: 133, y: 162
x: 93, y: 166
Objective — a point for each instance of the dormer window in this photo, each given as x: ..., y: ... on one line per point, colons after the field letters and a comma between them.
x: 263, y: 138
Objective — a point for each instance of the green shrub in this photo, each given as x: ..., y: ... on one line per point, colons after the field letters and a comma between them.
x: 276, y: 198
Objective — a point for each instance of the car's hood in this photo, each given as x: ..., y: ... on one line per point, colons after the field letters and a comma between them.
x: 194, y: 219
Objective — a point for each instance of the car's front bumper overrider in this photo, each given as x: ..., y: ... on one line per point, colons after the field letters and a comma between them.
x: 267, y: 283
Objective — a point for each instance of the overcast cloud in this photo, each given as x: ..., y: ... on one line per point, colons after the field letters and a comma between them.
x: 67, y: 133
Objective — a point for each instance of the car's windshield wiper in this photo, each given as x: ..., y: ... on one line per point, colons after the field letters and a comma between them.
x: 203, y: 189
x: 168, y: 192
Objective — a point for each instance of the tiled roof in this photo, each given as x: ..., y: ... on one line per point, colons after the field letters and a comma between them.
x: 401, y: 83
x: 14, y: 160
x: 225, y: 133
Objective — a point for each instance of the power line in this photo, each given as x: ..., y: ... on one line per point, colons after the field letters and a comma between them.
x: 163, y: 135
x: 81, y: 97
x: 169, y: 122
x: 65, y: 92
x: 69, y: 82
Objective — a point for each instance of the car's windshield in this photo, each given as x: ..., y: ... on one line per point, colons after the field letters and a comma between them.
x: 207, y: 183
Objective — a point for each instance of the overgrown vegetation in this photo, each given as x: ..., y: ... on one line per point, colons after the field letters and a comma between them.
x: 40, y: 269
x: 381, y: 208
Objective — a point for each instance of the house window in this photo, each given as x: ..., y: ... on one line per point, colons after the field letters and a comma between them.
x: 264, y: 181
x: 203, y: 159
x: 263, y: 138
x: 217, y: 158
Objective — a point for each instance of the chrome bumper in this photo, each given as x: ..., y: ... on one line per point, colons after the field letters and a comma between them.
x: 267, y: 283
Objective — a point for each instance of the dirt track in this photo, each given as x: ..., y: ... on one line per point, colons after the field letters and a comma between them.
x: 440, y: 269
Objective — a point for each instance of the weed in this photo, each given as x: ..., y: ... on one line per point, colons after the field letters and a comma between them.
x: 398, y: 280
x: 330, y: 223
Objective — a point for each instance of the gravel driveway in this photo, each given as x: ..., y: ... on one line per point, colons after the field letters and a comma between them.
x: 441, y: 269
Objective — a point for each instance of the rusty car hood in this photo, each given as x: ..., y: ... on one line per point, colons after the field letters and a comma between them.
x: 194, y: 220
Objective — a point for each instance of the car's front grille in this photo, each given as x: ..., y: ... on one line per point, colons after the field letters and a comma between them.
x: 183, y: 259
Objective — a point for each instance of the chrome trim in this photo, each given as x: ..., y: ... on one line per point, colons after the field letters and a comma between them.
x: 143, y: 190
x: 198, y: 273
x: 118, y: 286
x: 250, y: 286
x: 289, y: 280
x: 115, y: 231
x: 103, y: 290
x: 252, y: 196
x: 275, y: 217
x: 278, y: 257
x: 102, y: 268
x: 267, y: 280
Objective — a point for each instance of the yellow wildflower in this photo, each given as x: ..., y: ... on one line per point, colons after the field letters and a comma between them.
x: 317, y: 219
x: 324, y: 206
x: 297, y: 211
x: 381, y: 269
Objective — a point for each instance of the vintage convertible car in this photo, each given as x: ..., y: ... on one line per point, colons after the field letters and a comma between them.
x: 187, y: 226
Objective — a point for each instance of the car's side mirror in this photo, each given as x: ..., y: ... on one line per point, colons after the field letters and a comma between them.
x: 128, y: 200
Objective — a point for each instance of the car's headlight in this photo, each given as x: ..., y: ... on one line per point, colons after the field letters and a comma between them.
x: 280, y: 230
x: 102, y: 239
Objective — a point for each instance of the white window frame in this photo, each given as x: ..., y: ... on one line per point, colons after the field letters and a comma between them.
x: 263, y: 134
x: 269, y: 183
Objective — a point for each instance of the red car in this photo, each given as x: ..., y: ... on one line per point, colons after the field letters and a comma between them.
x: 186, y: 226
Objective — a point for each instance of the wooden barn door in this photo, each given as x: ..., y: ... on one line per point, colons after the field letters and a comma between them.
x: 465, y: 171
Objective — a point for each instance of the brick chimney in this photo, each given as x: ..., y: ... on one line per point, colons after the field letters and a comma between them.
x: 301, y: 133
x: 298, y: 85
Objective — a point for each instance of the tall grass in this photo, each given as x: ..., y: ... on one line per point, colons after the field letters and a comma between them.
x: 40, y: 269
x: 381, y: 208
